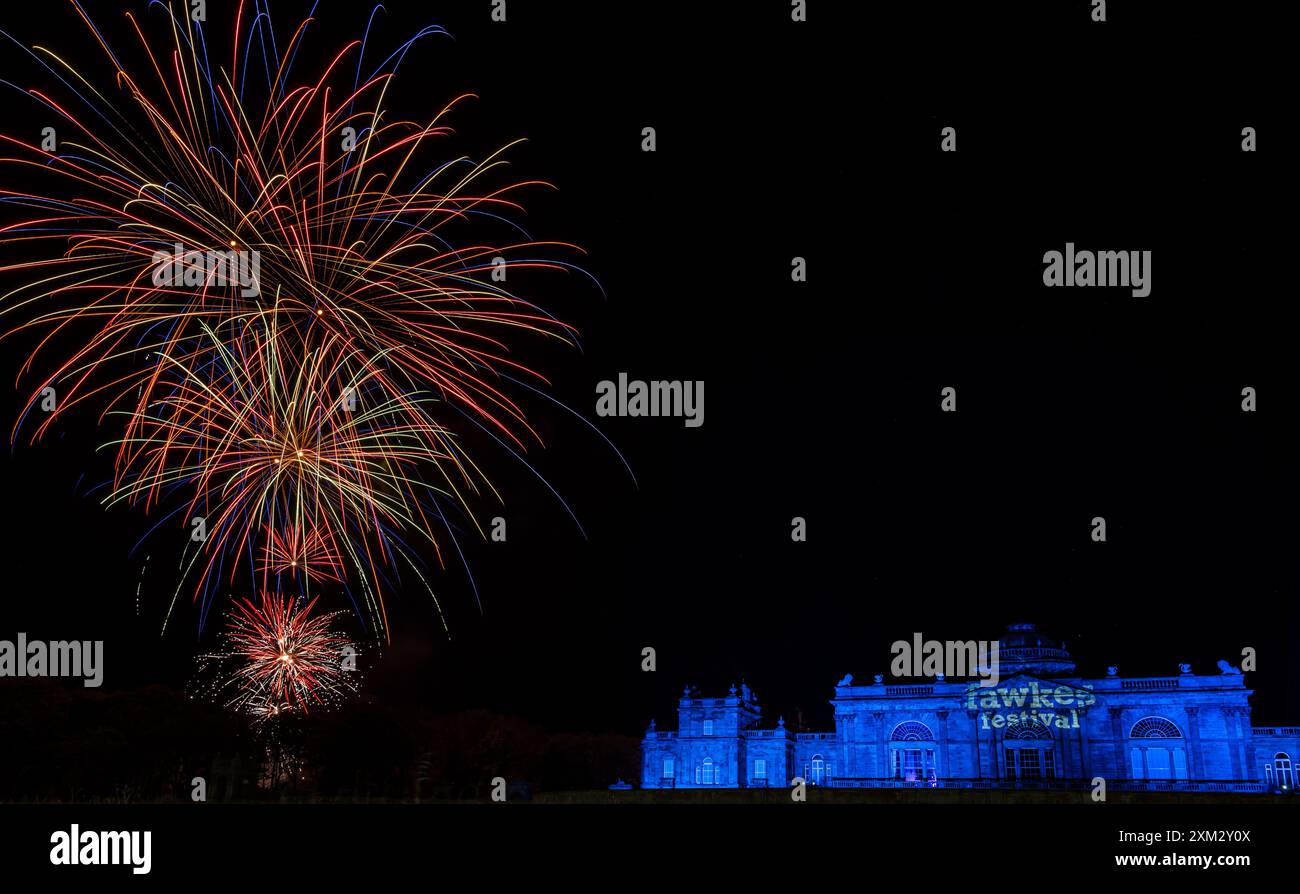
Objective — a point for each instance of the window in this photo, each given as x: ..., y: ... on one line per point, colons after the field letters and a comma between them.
x: 914, y: 764
x: 818, y: 770
x: 1155, y: 728
x: 668, y: 768
x: 760, y: 769
x: 708, y: 727
x: 1159, y: 760
x: 1028, y: 751
x: 708, y: 773
x: 911, y: 731
x: 1161, y: 763
x: 1282, y: 770
x: 1031, y: 730
x: 1030, y: 764
x: 912, y: 744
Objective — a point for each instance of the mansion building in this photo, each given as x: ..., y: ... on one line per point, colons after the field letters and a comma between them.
x: 1040, y: 726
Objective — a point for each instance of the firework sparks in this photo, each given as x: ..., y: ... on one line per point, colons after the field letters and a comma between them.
x: 314, y: 421
x: 309, y: 552
x: 278, y: 658
x: 264, y: 441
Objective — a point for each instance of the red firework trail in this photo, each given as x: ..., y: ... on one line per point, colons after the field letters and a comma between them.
x: 378, y: 264
x: 286, y: 657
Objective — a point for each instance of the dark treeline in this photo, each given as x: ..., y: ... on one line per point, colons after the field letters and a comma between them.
x: 60, y: 742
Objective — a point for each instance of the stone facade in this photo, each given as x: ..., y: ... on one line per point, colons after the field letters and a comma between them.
x: 1040, y: 726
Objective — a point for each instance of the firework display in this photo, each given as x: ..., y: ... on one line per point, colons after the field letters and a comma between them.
x: 277, y: 658
x: 322, y: 321
x: 288, y: 306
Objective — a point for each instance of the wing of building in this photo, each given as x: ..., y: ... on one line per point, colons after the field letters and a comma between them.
x: 1040, y: 726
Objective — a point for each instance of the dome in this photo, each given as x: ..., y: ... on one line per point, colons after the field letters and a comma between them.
x: 1023, y: 649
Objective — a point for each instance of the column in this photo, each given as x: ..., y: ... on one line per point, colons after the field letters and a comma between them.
x: 882, y: 765
x: 944, y: 770
x: 1237, y: 748
x: 847, y: 736
x: 1121, y: 752
x: 1083, y: 749
x: 1193, y: 744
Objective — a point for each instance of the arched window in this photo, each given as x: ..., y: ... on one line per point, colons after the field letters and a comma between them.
x: 1155, y: 728
x: 911, y: 731
x: 1031, y: 730
x: 1151, y: 761
x: 912, y: 753
x: 1027, y: 749
x: 818, y: 770
x: 1282, y: 771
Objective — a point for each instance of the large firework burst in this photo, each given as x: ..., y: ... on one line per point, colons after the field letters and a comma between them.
x: 301, y: 453
x: 319, y: 415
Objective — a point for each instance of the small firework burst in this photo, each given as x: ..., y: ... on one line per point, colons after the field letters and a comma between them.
x: 297, y: 550
x: 277, y: 659
x: 265, y: 711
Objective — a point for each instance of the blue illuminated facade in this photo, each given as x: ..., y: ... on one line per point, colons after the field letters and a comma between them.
x: 1041, y: 726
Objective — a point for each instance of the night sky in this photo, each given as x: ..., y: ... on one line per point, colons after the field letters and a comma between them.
x: 821, y: 398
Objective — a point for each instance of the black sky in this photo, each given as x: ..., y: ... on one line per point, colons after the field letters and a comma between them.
x: 822, y: 398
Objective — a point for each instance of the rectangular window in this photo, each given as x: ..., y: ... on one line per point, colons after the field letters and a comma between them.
x: 912, y: 769
x: 1158, y: 766
x: 1180, y: 764
x: 1049, y: 765
x: 760, y: 769
x: 1030, y: 767
x: 708, y: 727
x: 668, y: 768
